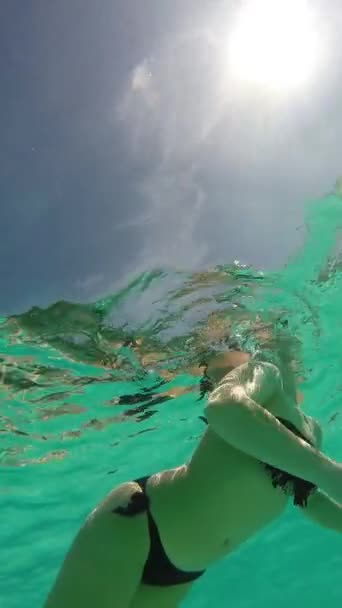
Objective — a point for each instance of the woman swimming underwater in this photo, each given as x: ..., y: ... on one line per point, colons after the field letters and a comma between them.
x: 146, y: 543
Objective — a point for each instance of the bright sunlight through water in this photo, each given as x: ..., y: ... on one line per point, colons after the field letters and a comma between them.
x: 274, y: 43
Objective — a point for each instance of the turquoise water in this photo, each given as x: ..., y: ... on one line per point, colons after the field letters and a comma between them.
x: 65, y: 439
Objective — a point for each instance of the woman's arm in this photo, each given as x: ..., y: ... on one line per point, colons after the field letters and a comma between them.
x: 324, y: 511
x: 236, y: 413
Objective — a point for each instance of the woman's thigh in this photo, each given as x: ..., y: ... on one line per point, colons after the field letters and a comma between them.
x: 104, y: 564
x: 160, y: 597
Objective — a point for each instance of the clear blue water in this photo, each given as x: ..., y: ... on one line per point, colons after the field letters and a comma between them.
x: 65, y: 440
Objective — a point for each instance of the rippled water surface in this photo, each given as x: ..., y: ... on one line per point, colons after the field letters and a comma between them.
x: 95, y: 394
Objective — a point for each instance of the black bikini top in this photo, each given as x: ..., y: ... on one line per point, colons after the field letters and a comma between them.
x: 299, y: 488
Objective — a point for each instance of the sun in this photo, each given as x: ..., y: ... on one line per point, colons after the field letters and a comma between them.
x: 274, y: 43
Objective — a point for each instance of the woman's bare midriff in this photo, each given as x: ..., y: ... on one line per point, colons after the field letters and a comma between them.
x: 213, y: 504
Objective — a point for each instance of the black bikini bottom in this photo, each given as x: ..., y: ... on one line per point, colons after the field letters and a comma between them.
x: 158, y: 570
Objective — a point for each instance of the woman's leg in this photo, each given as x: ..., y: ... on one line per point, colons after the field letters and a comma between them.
x: 104, y: 565
x: 160, y: 597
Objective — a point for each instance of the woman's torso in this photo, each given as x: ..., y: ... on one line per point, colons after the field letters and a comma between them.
x: 222, y: 497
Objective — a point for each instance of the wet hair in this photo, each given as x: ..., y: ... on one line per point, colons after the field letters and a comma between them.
x: 206, y: 383
x: 299, y: 488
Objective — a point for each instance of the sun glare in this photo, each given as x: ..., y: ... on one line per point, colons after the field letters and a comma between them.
x: 274, y: 43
